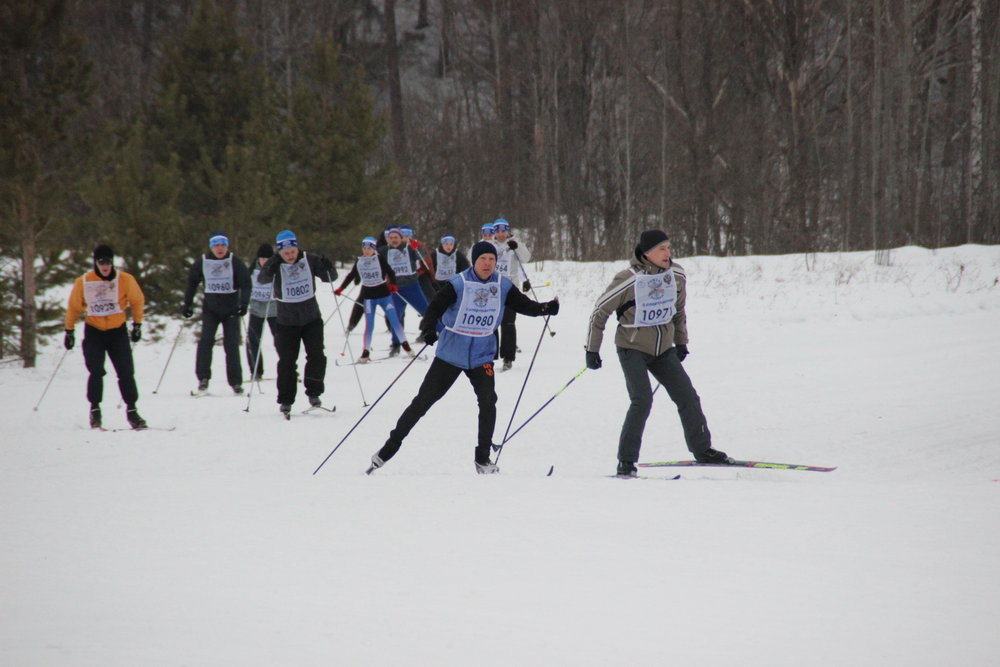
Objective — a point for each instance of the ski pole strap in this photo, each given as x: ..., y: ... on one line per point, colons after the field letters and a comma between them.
x: 544, y: 405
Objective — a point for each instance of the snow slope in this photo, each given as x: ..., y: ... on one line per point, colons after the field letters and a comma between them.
x: 214, y: 544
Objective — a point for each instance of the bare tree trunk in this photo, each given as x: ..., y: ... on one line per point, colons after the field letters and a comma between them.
x: 29, y: 310
x: 422, y: 21
x: 396, y: 123
x: 876, y: 136
x: 974, y: 185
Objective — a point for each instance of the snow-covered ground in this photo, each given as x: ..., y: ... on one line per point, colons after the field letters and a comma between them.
x: 214, y: 544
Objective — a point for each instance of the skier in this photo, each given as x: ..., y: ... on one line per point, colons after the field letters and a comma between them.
x: 103, y: 294
x: 404, y: 262
x: 449, y: 262
x: 227, y: 297
x: 486, y: 232
x: 467, y: 310
x: 510, y: 258
x: 300, y: 322
x: 426, y: 269
x: 377, y: 287
x: 262, y: 309
x: 648, y: 298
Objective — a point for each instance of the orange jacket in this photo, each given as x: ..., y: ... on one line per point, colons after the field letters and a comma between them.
x: 129, y: 295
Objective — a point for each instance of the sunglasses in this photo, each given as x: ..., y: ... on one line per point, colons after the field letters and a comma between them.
x: 104, y: 261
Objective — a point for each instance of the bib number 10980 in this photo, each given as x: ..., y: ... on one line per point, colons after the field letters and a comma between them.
x: 478, y: 320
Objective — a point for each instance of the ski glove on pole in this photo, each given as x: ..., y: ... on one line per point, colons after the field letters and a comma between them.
x: 429, y: 336
x: 136, y: 332
x: 550, y: 307
x: 512, y: 244
x: 682, y: 352
x: 69, y: 340
x: 594, y: 360
x: 525, y: 286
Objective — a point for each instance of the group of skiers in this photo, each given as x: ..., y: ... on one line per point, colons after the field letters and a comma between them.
x: 467, y: 306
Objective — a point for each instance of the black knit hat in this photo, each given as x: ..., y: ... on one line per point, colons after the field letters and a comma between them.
x: 482, y: 248
x: 648, y: 240
x: 265, y: 250
x: 103, y: 252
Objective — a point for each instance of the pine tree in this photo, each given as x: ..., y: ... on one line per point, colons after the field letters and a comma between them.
x: 44, y: 84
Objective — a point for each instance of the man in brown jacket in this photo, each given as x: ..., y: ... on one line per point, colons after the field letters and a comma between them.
x: 648, y: 298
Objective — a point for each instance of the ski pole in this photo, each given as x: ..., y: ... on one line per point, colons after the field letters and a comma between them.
x: 525, y: 384
x: 534, y: 295
x: 344, y: 439
x: 544, y: 405
x: 53, y: 377
x: 256, y: 361
x: 170, y: 356
x: 347, y: 342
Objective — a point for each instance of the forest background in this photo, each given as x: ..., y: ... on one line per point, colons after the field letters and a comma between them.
x: 740, y: 127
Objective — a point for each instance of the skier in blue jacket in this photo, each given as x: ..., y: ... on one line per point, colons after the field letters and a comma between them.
x: 466, y: 311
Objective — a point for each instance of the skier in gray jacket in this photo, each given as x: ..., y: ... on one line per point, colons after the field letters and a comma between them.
x: 649, y: 299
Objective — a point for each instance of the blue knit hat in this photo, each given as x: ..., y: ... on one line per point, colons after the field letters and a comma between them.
x: 286, y: 239
x: 406, y: 231
x: 447, y: 239
x: 487, y: 228
x: 501, y: 225
x: 218, y: 239
x: 369, y: 241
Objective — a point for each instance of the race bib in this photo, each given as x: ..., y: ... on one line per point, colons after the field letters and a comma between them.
x: 399, y: 261
x: 655, y: 299
x: 296, y: 281
x: 504, y: 256
x: 447, y: 266
x: 101, y: 297
x: 370, y: 270
x: 218, y: 275
x: 260, y: 291
x: 479, y: 314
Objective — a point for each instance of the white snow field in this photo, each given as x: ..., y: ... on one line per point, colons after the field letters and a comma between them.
x: 215, y: 544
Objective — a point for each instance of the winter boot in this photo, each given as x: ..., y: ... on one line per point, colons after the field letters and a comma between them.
x: 626, y: 469
x: 712, y: 456
x: 366, y: 357
x: 202, y: 385
x: 486, y: 468
x: 286, y: 410
x: 394, y: 350
x: 238, y: 389
x: 407, y: 349
x: 376, y: 464
x: 134, y: 420
x: 507, y: 363
x: 95, y: 416
x: 315, y: 402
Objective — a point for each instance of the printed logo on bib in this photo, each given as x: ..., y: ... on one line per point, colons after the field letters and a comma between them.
x: 260, y: 291
x: 399, y: 260
x: 296, y: 281
x: 370, y: 271
x: 479, y: 313
x: 447, y: 266
x: 218, y: 276
x: 655, y: 299
x: 101, y: 297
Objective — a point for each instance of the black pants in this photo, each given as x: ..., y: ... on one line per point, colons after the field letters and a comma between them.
x: 506, y: 336
x: 114, y: 344
x: 289, y: 339
x: 668, y: 371
x: 439, y: 379
x: 357, y: 312
x: 210, y: 321
x: 255, y: 329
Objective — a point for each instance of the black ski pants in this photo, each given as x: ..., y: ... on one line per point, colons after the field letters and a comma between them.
x: 255, y: 329
x: 210, y: 321
x: 439, y: 379
x: 507, y: 336
x: 114, y: 344
x: 290, y: 339
x: 668, y: 371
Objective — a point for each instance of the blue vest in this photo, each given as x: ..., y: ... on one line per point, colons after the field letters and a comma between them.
x: 468, y: 351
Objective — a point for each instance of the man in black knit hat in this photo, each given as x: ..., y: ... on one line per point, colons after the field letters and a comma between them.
x: 648, y: 298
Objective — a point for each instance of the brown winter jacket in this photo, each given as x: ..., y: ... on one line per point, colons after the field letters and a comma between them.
x: 621, y: 291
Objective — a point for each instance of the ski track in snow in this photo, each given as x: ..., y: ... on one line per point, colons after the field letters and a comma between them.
x: 214, y: 543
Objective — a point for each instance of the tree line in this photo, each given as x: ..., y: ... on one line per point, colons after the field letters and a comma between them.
x: 738, y: 126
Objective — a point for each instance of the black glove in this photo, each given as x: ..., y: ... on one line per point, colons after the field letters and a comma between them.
x: 512, y: 244
x: 682, y: 352
x: 550, y: 307
x: 594, y: 360
x: 69, y: 340
x: 187, y: 312
x: 525, y: 286
x: 243, y: 309
x: 429, y: 336
x: 136, y: 332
